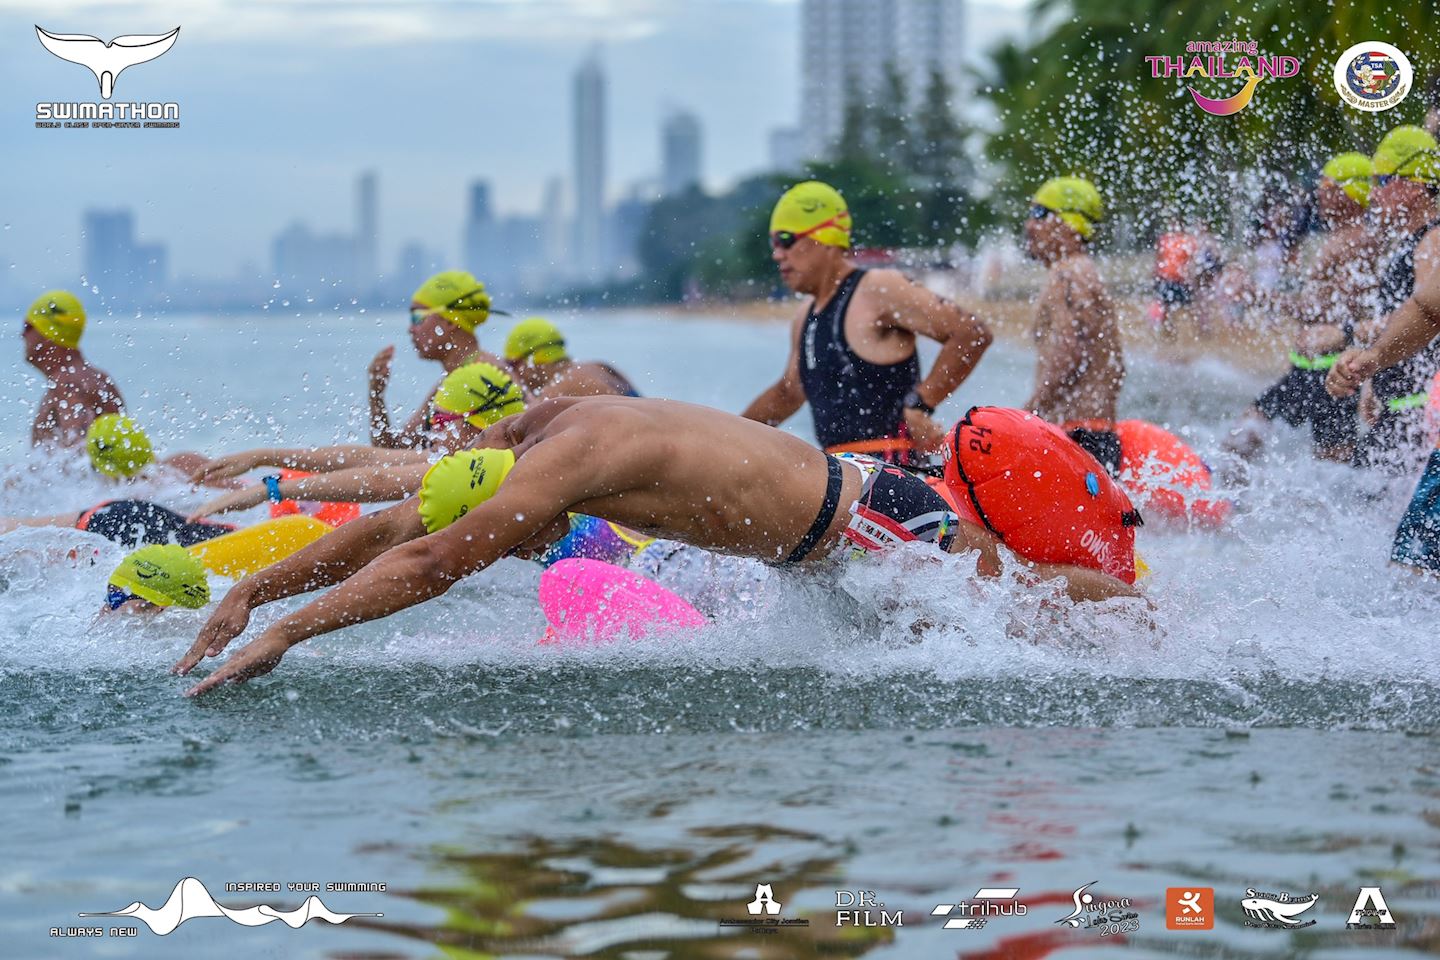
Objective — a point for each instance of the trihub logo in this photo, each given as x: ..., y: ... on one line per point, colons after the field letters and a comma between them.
x: 988, y: 902
x: 106, y: 61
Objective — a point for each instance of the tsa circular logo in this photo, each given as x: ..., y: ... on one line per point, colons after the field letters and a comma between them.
x: 1372, y: 76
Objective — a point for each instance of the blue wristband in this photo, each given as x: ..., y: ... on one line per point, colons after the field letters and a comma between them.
x: 272, y: 484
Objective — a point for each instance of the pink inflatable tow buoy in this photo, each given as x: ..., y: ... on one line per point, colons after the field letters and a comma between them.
x: 590, y: 600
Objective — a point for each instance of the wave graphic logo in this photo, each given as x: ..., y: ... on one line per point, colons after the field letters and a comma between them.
x: 106, y: 60
x: 190, y: 899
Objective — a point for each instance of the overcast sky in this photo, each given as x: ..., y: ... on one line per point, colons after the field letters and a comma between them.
x: 284, y: 101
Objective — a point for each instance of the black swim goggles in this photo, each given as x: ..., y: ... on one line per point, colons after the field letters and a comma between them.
x: 418, y: 314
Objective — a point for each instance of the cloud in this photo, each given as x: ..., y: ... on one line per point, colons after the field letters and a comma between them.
x: 339, y: 23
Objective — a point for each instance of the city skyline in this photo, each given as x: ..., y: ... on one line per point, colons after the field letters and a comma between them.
x: 225, y: 222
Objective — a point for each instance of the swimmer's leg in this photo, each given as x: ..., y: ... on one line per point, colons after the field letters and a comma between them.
x: 8, y: 524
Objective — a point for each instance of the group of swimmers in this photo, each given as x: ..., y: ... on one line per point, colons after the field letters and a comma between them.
x: 535, y: 455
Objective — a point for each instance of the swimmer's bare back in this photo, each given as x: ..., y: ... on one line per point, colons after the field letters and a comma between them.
x: 1080, y: 364
x: 71, y: 403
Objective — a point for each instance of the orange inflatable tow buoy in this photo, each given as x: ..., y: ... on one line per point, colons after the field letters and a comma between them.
x: 332, y: 513
x: 1036, y: 490
x: 1154, y: 462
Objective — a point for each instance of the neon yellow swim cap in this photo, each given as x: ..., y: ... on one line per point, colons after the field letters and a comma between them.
x: 59, y: 316
x: 815, y: 210
x: 117, y: 446
x: 1408, y: 152
x: 1352, y: 172
x: 536, y: 337
x: 457, y: 296
x: 164, y: 574
x: 482, y: 393
x: 1076, y: 200
x: 461, y: 482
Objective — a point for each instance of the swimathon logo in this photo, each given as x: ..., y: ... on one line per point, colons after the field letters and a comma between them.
x: 190, y: 899
x: 1205, y: 59
x: 1372, y: 76
x: 106, y: 61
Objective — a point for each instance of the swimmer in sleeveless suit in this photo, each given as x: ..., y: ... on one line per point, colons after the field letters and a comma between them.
x: 852, y: 354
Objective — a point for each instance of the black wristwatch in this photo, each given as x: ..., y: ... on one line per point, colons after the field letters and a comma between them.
x: 913, y: 402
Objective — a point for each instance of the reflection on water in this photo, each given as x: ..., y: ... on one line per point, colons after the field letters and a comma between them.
x: 600, y: 897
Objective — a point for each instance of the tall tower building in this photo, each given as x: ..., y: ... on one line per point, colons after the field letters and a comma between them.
x: 680, y: 146
x: 588, y: 103
x: 367, y: 231
x: 846, y: 44
x: 481, y: 243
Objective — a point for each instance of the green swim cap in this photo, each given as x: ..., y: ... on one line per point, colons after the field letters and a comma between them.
x: 117, y: 446
x: 460, y: 482
x: 537, y: 337
x: 482, y: 393
x: 1352, y: 172
x: 1076, y: 201
x: 59, y: 316
x: 815, y: 210
x: 457, y: 296
x: 1408, y: 152
x: 164, y: 574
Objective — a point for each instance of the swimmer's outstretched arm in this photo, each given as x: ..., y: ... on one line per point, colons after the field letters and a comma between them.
x: 381, y: 484
x: 323, y: 563
x: 1081, y: 583
x: 538, y: 492
x: 342, y: 456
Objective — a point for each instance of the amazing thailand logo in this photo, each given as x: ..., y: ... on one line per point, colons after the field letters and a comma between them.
x: 1206, y: 60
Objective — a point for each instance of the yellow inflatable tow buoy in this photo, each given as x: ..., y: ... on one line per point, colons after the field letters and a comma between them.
x: 243, y: 552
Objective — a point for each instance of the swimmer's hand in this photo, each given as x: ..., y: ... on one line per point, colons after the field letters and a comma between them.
x: 1351, y: 369
x: 242, y: 499
x: 255, y: 659
x: 380, y: 372
x: 927, y: 435
x: 228, y: 621
x: 223, y: 468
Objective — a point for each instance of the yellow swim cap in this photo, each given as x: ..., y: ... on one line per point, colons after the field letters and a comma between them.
x: 59, y: 316
x: 1076, y: 200
x: 1352, y: 172
x: 537, y: 337
x: 164, y: 574
x: 117, y: 446
x: 457, y: 296
x: 815, y: 210
x: 459, y: 483
x: 482, y: 393
x: 1408, y: 152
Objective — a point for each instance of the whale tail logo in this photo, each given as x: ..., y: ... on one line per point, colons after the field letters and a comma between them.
x: 106, y: 60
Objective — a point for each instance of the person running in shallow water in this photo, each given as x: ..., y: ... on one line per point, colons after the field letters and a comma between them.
x: 444, y: 313
x: 536, y: 352
x: 852, y: 353
x: 1080, y: 366
x: 1339, y: 290
x: 664, y: 468
x: 76, y: 392
x: 1409, y: 332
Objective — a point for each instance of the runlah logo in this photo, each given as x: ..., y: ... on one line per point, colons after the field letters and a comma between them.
x: 106, y: 61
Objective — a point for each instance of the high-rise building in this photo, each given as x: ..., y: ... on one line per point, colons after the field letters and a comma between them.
x: 680, y: 147
x: 846, y: 45
x: 481, y: 244
x: 589, y: 174
x: 787, y: 148
x: 552, y: 216
x: 115, y: 262
x: 367, y: 230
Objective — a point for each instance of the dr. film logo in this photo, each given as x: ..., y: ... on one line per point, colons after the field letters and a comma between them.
x: 106, y: 61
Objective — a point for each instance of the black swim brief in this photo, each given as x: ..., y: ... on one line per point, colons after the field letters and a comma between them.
x: 1300, y: 396
x: 1103, y: 445
x: 132, y: 523
x: 833, y: 479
